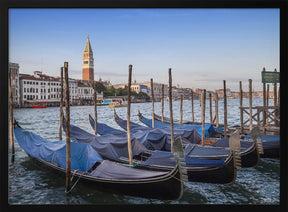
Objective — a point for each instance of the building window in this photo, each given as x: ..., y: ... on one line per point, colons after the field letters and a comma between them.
x: 24, y: 96
x: 24, y: 90
x: 24, y: 82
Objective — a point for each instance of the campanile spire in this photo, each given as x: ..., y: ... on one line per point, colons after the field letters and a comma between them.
x: 88, y: 62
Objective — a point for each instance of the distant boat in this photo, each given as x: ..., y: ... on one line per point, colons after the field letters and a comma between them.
x: 39, y: 105
x: 117, y: 104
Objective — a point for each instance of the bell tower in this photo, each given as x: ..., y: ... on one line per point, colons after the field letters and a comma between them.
x: 88, y: 62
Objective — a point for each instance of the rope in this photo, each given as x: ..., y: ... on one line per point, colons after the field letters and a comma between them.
x: 72, y: 187
x: 131, y: 166
x: 183, y: 181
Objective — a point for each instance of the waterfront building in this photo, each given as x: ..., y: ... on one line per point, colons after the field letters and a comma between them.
x: 88, y: 62
x: 39, y: 88
x: 176, y: 93
x: 106, y: 83
x: 220, y: 93
x: 118, y: 86
x: 85, y: 92
x: 157, y: 90
x: 43, y: 88
x: 73, y: 91
x: 15, y: 86
x: 139, y: 88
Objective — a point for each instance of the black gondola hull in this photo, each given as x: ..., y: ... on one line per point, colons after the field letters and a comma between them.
x: 163, y: 188
x: 221, y: 175
x: 271, y: 153
x: 216, y: 175
x: 250, y: 158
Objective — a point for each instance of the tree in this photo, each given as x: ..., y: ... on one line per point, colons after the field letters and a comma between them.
x: 109, y: 92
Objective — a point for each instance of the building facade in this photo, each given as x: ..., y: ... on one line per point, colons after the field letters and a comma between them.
x: 39, y: 88
x: 139, y: 88
x: 43, y: 88
x: 157, y: 90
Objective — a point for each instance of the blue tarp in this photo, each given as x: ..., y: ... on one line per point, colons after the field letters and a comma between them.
x: 103, y: 129
x: 165, y: 159
x: 268, y: 141
x: 188, y: 136
x: 197, y: 127
x: 115, y: 146
x: 109, y: 145
x: 83, y: 156
x: 205, y: 151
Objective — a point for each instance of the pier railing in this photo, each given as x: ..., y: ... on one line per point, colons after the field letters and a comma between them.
x: 266, y: 117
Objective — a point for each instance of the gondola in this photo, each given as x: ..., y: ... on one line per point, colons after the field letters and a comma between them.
x: 219, y: 169
x: 209, y: 130
x: 270, y: 144
x: 249, y: 151
x: 219, y: 129
x: 89, y: 167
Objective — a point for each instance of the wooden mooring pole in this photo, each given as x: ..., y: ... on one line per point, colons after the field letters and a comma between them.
x: 216, y: 110
x: 162, y: 101
x: 67, y: 122
x: 152, y: 96
x: 210, y: 104
x: 171, y: 109
x: 61, y: 104
x: 268, y: 95
x: 11, y: 135
x: 225, y: 109
x: 264, y: 105
x: 250, y: 105
x: 181, y: 109
x: 192, y: 104
x: 128, y: 116
x: 275, y: 92
x: 267, y: 102
x: 203, y: 105
x: 95, y: 107
x: 275, y: 100
x: 241, y: 110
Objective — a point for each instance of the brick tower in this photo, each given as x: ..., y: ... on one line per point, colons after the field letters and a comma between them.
x: 88, y: 62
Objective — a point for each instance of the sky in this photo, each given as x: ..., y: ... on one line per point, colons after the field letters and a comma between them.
x: 203, y: 47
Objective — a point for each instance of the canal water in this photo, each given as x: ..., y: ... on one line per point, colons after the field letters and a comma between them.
x: 29, y: 184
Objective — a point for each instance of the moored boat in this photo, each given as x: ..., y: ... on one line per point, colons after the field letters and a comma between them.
x: 249, y: 152
x: 201, y: 165
x: 39, y: 105
x: 89, y: 167
x: 117, y: 104
x: 270, y: 143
